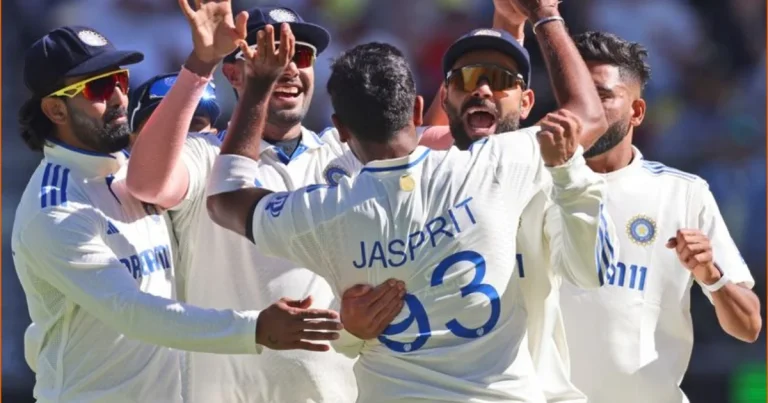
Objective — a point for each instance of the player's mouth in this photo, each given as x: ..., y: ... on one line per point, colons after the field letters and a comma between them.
x: 287, y: 96
x: 480, y: 121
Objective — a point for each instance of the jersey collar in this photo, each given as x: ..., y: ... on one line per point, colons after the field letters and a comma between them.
x: 88, y: 163
x: 637, y: 161
x: 399, y: 165
x: 309, y: 141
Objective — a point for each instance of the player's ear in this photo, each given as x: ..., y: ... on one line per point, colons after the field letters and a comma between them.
x: 418, y: 111
x: 638, y: 112
x: 527, y: 99
x: 55, y: 110
x: 343, y: 132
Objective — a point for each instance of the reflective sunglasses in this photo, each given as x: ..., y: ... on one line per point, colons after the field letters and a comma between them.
x: 97, y: 88
x: 304, y: 56
x: 498, y: 78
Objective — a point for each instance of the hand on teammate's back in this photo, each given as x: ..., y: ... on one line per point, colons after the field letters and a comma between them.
x: 559, y: 137
x: 291, y: 325
x: 215, y: 34
x: 366, y: 311
x: 268, y: 62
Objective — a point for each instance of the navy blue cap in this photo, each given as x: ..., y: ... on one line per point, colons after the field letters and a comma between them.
x: 489, y: 39
x: 68, y: 52
x: 145, y: 98
x: 259, y: 17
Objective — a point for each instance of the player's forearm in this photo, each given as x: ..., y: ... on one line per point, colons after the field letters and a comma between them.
x: 738, y: 311
x: 156, y: 173
x: 503, y: 23
x: 581, y: 233
x: 247, y: 127
x: 570, y: 79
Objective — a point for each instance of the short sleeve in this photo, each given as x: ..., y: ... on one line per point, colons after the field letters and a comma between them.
x: 284, y: 224
x: 81, y: 266
x: 726, y: 253
x: 198, y: 155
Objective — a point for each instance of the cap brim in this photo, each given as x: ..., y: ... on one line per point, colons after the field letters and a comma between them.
x: 106, y: 60
x: 486, y: 42
x: 312, y: 34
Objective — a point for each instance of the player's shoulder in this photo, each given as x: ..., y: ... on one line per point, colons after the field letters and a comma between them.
x: 207, y: 140
x: 514, y: 145
x: 670, y: 175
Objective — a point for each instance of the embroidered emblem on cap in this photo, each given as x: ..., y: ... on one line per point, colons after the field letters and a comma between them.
x: 92, y: 38
x: 486, y: 32
x: 283, y: 15
x: 169, y: 80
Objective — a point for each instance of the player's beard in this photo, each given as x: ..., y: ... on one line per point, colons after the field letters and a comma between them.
x: 611, y: 138
x: 101, y: 137
x: 461, y: 139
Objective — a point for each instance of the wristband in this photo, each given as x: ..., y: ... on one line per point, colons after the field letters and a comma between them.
x: 546, y: 20
x: 232, y: 172
x: 724, y: 280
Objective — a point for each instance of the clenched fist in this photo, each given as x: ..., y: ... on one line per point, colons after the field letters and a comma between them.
x: 559, y: 137
x: 695, y: 253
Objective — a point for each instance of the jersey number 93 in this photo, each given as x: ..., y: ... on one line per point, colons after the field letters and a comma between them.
x: 419, y: 315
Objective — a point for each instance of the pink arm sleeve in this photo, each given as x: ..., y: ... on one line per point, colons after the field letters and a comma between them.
x: 436, y: 137
x: 156, y: 172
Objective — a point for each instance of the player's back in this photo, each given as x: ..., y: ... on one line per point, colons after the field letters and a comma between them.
x: 78, y: 357
x: 446, y: 224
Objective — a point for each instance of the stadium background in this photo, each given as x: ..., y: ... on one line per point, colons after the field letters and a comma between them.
x: 706, y: 115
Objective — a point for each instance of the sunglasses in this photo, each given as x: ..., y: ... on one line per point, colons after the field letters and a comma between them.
x: 160, y: 88
x: 468, y: 78
x: 97, y: 88
x: 304, y: 57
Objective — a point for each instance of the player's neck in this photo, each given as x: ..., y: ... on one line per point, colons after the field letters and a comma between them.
x: 274, y: 134
x: 401, y: 145
x: 613, y: 160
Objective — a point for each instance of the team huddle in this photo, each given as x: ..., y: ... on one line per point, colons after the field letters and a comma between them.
x: 402, y: 255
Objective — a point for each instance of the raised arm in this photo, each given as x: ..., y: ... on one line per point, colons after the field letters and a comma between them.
x: 233, y: 209
x: 570, y: 79
x: 157, y: 174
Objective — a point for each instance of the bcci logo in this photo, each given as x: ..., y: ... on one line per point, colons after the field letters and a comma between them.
x: 333, y: 175
x: 642, y: 230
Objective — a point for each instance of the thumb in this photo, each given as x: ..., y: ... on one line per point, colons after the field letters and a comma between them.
x: 301, y: 304
x: 241, y: 23
x: 357, y: 291
x: 672, y: 243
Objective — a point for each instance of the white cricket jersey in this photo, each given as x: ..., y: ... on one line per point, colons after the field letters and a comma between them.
x: 222, y: 269
x: 631, y: 340
x: 446, y: 224
x: 97, y: 270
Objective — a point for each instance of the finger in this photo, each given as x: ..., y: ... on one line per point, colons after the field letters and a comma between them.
x: 391, y: 297
x: 241, y: 25
x: 387, y: 316
x: 198, y: 4
x: 690, y: 232
x: 671, y: 243
x: 283, y: 54
x: 321, y: 325
x: 246, y: 49
x: 189, y: 13
x: 558, y: 118
x: 382, y: 290
x: 316, y: 314
x: 301, y: 304
x: 356, y: 291
x: 261, y: 44
x: 699, y: 259
x: 269, y: 41
x: 292, y: 42
x: 317, y: 336
x: 545, y: 137
x: 304, y: 345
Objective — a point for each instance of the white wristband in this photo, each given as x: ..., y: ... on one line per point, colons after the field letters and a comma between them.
x: 546, y: 20
x: 232, y: 172
x: 724, y: 280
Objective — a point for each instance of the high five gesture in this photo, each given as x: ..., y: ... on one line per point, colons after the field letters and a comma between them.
x: 215, y: 32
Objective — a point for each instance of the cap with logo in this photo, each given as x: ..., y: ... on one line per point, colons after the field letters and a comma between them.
x: 69, y: 52
x: 490, y: 39
x: 260, y: 17
x: 145, y: 98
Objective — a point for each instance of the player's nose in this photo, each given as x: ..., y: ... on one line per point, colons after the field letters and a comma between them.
x: 483, y: 90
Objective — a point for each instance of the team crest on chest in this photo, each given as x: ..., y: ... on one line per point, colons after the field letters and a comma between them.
x: 642, y: 230
x: 333, y: 174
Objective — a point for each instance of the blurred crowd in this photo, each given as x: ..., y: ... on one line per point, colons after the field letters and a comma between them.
x: 706, y: 100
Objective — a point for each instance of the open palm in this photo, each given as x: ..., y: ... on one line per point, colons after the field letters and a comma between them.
x: 215, y: 33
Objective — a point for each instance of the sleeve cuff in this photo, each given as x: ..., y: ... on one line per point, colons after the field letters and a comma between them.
x: 563, y: 175
x: 247, y: 323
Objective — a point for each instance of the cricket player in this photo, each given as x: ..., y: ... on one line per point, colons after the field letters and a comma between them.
x: 445, y: 222
x: 631, y: 340
x: 95, y: 263
x: 170, y: 168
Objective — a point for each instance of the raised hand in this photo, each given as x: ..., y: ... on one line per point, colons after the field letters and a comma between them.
x: 268, y: 62
x: 215, y: 33
x: 695, y: 253
x: 510, y: 10
x: 559, y: 136
x: 530, y: 7
x: 291, y: 325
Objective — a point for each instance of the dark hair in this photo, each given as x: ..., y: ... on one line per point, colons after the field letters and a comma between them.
x: 372, y: 91
x: 36, y: 128
x: 604, y: 47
